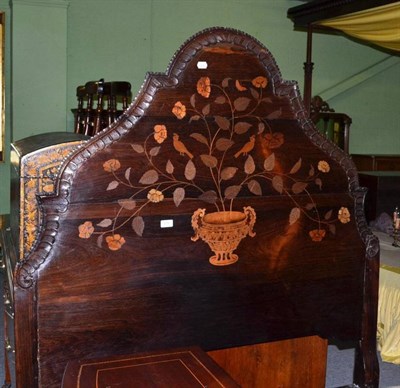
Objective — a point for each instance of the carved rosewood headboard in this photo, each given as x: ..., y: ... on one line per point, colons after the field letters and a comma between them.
x: 211, y: 213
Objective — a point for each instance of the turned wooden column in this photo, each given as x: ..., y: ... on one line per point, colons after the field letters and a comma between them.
x: 308, y: 69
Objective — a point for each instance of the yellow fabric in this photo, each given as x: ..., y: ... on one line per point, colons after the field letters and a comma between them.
x: 380, y: 25
x: 388, y: 335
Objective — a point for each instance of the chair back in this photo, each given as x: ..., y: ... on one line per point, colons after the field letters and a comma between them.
x: 335, y: 126
x: 99, y: 104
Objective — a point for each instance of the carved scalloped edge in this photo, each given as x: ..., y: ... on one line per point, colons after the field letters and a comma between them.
x: 370, y: 240
x: 26, y: 269
x: 53, y: 204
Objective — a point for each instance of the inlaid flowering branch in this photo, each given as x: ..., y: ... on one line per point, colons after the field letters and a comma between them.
x: 222, y: 147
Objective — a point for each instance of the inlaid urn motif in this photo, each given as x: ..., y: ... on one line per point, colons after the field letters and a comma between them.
x: 223, y: 231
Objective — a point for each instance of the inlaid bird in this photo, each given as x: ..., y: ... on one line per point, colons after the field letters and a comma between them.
x: 180, y: 147
x: 247, y: 147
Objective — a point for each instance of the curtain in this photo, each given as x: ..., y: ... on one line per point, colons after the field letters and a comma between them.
x: 380, y: 25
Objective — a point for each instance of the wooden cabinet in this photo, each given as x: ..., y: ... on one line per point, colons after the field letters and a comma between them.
x: 180, y: 368
x: 34, y: 164
x: 376, y: 162
x: 294, y: 363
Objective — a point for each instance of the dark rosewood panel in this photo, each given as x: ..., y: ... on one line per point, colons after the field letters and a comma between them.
x: 212, y: 213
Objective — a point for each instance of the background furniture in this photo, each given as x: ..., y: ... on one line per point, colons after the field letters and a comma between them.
x: 120, y: 266
x: 370, y: 162
x: 98, y: 105
x: 329, y: 16
x: 383, y: 192
x: 335, y: 126
x: 181, y: 368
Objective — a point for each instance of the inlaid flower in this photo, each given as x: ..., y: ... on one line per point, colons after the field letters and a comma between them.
x: 260, y: 82
x: 204, y: 87
x: 155, y: 196
x: 317, y: 234
x: 324, y: 166
x: 179, y: 110
x: 344, y: 215
x: 115, y: 242
x: 86, y: 229
x: 274, y: 140
x: 160, y: 133
x: 111, y: 165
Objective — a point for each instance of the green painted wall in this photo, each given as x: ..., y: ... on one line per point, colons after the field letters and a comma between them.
x: 60, y: 44
x: 39, y: 66
x: 5, y: 166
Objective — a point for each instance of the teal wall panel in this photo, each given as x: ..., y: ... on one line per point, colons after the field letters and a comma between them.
x: 39, y: 66
x: 5, y: 165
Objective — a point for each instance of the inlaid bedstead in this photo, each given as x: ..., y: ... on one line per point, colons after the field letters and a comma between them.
x: 213, y: 214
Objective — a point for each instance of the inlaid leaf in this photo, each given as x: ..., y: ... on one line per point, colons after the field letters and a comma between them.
x: 220, y: 100
x: 254, y: 187
x: 228, y: 173
x: 190, y: 170
x: 328, y: 215
x: 232, y: 191
x: 275, y: 115
x: 194, y: 118
x: 149, y: 177
x: 112, y: 185
x: 178, y: 195
x: 239, y: 86
x: 193, y: 100
x: 100, y: 241
x: 222, y: 122
x: 225, y: 82
x: 138, y: 148
x: 206, y: 110
x: 249, y: 165
x: 154, y: 151
x: 241, y: 103
x: 138, y: 225
x: 269, y: 162
x: 105, y: 223
x: 209, y: 196
x: 261, y: 128
x: 209, y: 160
x: 242, y: 127
x: 224, y: 144
x: 128, y: 173
x: 299, y: 187
x: 312, y: 171
x: 294, y: 215
x: 254, y: 93
x: 277, y: 183
x: 318, y: 182
x: 332, y: 228
x: 199, y: 137
x: 296, y: 167
x: 310, y: 206
x: 267, y: 99
x: 127, y: 203
x: 169, y: 167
